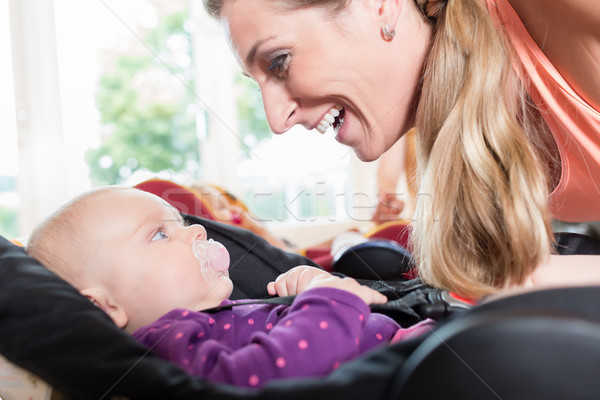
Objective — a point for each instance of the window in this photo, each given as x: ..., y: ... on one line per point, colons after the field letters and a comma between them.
x: 149, y: 88
x: 9, y: 161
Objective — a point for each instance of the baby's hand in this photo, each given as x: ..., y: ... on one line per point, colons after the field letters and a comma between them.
x: 304, y: 277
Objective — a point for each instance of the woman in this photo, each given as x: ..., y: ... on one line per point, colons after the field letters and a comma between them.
x: 508, y: 134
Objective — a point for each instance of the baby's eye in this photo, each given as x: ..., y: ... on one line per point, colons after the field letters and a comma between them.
x: 280, y: 64
x: 159, y: 235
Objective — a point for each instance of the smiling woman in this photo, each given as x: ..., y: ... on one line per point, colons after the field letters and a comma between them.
x: 299, y: 90
x: 507, y: 136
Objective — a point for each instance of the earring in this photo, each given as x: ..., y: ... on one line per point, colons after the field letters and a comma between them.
x: 387, y: 34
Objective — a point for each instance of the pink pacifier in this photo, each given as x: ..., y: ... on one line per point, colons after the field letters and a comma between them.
x: 213, y: 257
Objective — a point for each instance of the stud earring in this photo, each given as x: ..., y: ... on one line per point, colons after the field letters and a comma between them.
x: 387, y: 34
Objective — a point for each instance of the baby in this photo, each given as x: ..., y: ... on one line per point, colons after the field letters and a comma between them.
x: 132, y: 255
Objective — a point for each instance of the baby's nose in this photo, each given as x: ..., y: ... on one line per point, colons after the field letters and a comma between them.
x: 197, y: 232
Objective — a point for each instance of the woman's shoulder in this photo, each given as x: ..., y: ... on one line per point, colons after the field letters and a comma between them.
x: 578, y: 14
x: 559, y: 271
x: 567, y: 32
x: 565, y: 271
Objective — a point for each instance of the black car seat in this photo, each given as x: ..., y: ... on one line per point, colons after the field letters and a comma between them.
x: 540, y: 345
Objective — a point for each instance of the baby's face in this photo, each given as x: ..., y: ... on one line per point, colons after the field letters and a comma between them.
x: 146, y: 251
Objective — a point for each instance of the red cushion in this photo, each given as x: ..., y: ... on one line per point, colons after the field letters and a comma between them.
x: 180, y: 197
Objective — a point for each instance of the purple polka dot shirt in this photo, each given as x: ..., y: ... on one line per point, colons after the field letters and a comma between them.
x: 249, y: 345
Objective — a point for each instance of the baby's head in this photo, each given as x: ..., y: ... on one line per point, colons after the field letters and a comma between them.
x: 130, y: 253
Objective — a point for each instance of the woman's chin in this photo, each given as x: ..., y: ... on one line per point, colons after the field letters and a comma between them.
x: 358, y: 141
x: 365, y: 157
x: 364, y: 152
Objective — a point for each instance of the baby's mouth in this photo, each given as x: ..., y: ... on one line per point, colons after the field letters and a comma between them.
x: 335, y: 118
x: 213, y: 257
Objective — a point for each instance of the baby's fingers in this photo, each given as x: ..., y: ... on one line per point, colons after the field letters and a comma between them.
x: 279, y: 286
x: 284, y: 285
x: 374, y: 297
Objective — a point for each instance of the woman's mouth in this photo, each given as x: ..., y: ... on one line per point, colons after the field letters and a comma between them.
x: 334, y: 118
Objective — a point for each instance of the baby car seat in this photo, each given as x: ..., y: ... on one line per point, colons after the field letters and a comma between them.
x: 375, y: 259
x: 540, y: 345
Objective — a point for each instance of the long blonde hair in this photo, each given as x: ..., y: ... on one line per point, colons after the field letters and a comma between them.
x: 482, y: 221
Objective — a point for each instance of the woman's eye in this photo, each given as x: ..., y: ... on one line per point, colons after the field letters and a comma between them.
x: 159, y: 235
x: 280, y: 64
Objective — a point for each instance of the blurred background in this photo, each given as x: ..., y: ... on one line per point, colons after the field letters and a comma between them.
x: 101, y: 92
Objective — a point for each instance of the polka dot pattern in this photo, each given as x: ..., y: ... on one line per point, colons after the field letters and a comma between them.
x: 301, y: 338
x: 253, y: 380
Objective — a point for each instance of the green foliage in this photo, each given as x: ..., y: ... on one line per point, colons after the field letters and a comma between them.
x: 143, y: 100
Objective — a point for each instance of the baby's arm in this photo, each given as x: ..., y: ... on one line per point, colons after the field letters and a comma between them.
x: 323, y: 328
x: 304, y: 277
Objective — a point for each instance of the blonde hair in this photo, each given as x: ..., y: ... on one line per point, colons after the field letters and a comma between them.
x: 482, y: 220
x: 62, y: 243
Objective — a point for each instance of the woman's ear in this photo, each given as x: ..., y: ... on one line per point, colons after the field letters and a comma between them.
x: 389, y: 11
x: 100, y: 298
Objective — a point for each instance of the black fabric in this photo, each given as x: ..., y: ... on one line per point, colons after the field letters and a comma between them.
x: 49, y: 329
x: 254, y: 262
x: 568, y: 243
x: 539, y: 345
x: 413, y: 301
x: 400, y: 309
x: 374, y: 259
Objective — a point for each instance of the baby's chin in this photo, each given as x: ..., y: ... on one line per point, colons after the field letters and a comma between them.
x: 227, y: 281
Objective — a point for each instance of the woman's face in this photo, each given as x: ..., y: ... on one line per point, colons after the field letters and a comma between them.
x: 309, y: 63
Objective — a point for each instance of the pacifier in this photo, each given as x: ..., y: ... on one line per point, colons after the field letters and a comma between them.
x: 213, y: 257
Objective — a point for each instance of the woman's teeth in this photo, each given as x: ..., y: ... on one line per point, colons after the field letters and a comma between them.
x: 335, y: 118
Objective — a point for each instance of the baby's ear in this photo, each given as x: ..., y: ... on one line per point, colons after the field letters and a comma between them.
x: 100, y: 298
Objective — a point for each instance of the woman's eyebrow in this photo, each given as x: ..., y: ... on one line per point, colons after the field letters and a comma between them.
x: 252, y: 53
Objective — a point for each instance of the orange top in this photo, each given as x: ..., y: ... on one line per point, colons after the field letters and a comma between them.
x: 575, y: 124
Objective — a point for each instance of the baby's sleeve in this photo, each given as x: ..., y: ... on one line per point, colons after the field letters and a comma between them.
x: 320, y: 330
x: 323, y: 328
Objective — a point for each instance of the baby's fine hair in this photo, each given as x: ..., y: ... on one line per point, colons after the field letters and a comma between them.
x: 62, y: 243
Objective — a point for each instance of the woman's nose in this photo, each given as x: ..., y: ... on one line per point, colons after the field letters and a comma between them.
x: 195, y: 232
x: 280, y: 108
